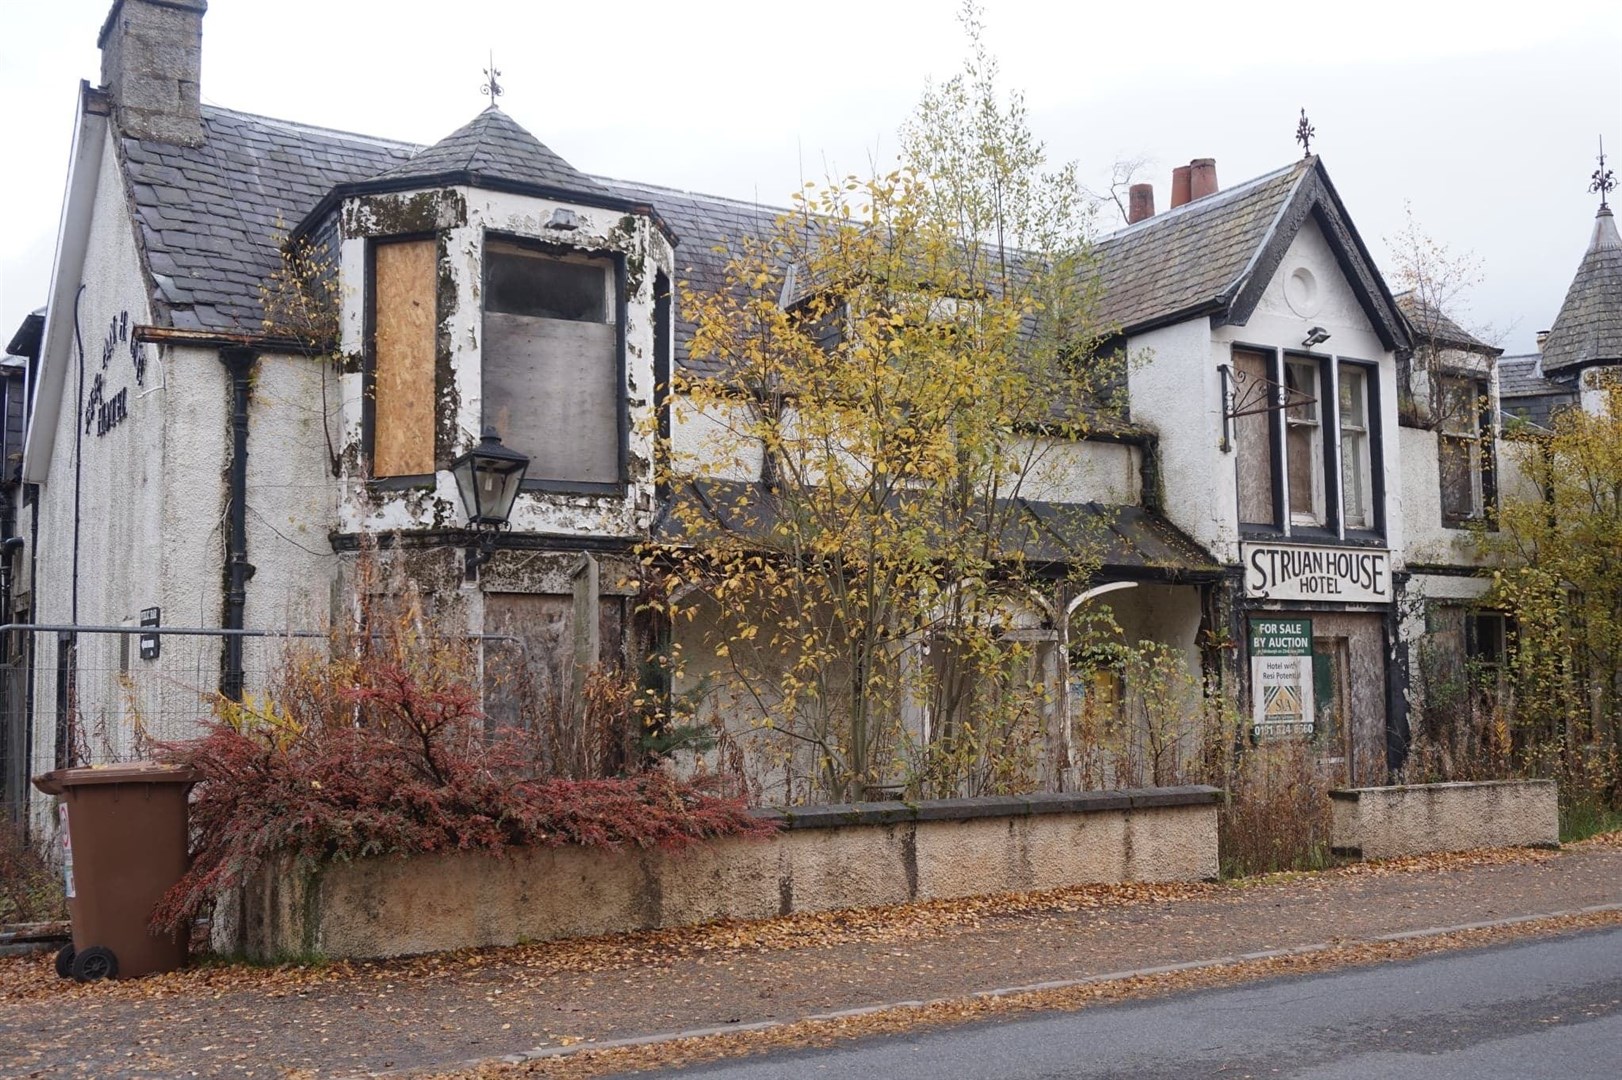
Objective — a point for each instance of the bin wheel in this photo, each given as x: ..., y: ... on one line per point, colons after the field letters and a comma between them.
x: 64, y: 962
x: 94, y: 964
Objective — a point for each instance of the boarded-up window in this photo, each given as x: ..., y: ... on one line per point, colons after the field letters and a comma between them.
x: 551, y: 362
x: 1253, y: 440
x: 403, y: 335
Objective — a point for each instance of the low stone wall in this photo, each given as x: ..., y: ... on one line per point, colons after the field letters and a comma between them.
x: 1384, y: 822
x: 825, y: 858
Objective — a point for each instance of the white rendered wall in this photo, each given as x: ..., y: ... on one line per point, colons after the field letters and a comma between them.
x: 1176, y: 392
x: 148, y: 506
x: 1081, y: 470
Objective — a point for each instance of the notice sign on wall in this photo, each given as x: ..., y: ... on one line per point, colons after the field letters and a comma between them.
x: 1281, y: 677
x: 1299, y: 572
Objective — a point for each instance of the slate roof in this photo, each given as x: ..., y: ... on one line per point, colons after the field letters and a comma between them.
x: 1424, y: 321
x: 208, y: 218
x: 1521, y: 376
x: 1588, y: 330
x: 710, y: 230
x: 1193, y: 256
x: 493, y: 146
x: 1122, y: 539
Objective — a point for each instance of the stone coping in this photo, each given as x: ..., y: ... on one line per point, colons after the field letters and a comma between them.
x: 840, y: 815
x: 1353, y: 794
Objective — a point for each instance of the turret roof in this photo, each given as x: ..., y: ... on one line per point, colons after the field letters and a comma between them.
x: 1588, y: 330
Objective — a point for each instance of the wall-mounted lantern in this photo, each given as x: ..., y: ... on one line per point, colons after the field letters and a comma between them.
x: 488, y: 478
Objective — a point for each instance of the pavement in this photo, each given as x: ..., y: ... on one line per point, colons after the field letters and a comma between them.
x: 444, y: 1014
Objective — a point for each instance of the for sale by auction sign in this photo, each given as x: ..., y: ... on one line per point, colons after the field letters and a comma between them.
x: 1281, y: 677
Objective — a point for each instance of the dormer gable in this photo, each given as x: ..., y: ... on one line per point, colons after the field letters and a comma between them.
x: 1216, y: 255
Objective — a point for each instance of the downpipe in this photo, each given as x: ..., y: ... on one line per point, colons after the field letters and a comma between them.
x: 239, y: 363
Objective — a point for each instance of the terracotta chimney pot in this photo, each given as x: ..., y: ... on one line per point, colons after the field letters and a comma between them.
x: 1142, y: 203
x: 1202, y: 178
x: 1179, y: 186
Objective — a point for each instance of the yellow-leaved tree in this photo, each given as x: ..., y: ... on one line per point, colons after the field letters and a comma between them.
x: 881, y: 373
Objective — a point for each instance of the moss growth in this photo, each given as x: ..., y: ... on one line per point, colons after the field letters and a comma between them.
x: 403, y: 214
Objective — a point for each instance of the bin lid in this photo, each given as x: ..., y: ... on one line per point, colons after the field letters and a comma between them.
x: 129, y: 772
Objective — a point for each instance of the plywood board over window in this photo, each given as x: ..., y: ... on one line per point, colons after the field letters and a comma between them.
x: 403, y: 335
x: 1253, y: 438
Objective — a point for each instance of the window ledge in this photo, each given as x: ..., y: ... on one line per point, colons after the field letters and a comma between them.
x: 420, y: 482
x: 580, y: 488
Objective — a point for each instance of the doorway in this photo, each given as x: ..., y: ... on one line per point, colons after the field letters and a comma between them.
x: 1332, y: 698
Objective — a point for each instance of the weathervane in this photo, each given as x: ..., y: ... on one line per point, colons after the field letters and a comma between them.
x: 1604, y: 180
x: 492, y: 86
x: 1304, y: 131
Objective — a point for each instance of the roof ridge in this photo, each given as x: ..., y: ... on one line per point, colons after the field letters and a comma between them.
x: 688, y: 193
x: 294, y: 125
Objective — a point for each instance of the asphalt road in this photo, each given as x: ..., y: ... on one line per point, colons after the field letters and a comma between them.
x: 1547, y: 1008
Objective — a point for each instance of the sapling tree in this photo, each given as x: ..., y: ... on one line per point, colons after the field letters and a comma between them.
x: 899, y: 356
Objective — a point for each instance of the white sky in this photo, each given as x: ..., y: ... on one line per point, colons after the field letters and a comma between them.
x: 1484, y: 115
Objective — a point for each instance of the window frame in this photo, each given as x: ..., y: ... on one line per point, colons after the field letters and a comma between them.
x: 1484, y: 493
x: 1328, y: 464
x: 1320, y: 514
x: 619, y: 307
x: 368, y: 370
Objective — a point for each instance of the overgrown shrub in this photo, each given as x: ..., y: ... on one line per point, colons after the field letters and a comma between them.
x: 374, y: 743
x: 30, y: 890
x: 1277, y: 814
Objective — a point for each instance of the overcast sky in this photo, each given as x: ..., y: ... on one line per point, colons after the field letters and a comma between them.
x: 1485, y: 116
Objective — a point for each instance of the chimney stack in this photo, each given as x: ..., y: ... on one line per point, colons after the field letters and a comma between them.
x: 1141, y: 204
x: 1543, y: 335
x: 1202, y: 180
x: 1179, y: 186
x: 151, y: 59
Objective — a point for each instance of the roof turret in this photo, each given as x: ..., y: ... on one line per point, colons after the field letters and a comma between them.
x: 1588, y: 330
x: 495, y: 147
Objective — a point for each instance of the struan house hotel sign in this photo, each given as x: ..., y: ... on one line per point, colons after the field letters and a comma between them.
x: 1298, y: 572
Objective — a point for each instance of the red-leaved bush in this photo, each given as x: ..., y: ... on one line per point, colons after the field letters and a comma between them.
x: 375, y: 745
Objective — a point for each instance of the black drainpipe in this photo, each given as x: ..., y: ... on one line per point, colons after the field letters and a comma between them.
x: 239, y: 362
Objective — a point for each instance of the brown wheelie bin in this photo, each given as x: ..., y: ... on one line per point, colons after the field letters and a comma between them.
x: 127, y: 844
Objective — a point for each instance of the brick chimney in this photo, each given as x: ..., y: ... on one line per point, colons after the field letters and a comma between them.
x: 1179, y: 186
x: 151, y: 58
x: 1141, y: 204
x: 1202, y: 180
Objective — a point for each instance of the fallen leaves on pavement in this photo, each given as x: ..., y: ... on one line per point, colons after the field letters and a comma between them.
x: 31, y: 978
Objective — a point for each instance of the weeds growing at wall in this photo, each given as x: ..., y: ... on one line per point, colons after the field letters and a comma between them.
x: 374, y: 743
x: 30, y: 889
